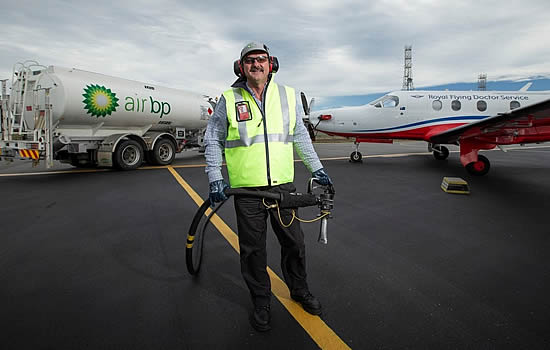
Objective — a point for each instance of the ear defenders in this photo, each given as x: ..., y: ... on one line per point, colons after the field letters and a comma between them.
x: 273, y: 66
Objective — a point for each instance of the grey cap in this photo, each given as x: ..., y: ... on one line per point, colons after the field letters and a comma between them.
x: 253, y: 46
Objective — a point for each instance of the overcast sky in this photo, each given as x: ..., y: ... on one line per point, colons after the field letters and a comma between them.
x: 325, y: 47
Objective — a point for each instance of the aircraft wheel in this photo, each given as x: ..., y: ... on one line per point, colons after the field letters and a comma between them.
x: 163, y: 152
x: 355, y: 157
x: 479, y: 168
x: 128, y: 155
x: 441, y: 152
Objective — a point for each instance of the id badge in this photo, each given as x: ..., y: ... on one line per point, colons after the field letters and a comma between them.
x: 243, y: 111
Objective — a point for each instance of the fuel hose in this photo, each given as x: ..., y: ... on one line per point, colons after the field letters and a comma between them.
x: 197, y: 230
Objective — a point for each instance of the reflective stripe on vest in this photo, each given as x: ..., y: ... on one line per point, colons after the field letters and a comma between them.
x: 245, y: 146
x: 244, y: 140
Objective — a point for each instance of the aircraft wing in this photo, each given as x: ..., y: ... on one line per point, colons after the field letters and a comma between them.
x: 522, y: 125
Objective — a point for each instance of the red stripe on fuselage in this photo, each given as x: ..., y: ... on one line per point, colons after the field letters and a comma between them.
x: 423, y: 133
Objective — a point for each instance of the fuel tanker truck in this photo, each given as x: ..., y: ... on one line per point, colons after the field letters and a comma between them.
x: 89, y: 119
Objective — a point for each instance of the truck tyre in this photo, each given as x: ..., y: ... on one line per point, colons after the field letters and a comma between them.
x: 164, y: 152
x: 128, y: 155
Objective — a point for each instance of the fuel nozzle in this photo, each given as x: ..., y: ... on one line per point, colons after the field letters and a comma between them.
x: 326, y: 203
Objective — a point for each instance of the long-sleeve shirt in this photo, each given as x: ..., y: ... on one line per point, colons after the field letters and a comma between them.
x: 216, y: 134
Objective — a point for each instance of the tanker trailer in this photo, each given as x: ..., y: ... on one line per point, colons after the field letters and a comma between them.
x: 89, y: 119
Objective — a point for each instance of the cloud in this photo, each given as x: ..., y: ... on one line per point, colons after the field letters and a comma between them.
x: 325, y: 47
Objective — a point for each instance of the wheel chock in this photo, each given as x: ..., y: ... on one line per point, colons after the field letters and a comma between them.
x: 455, y: 185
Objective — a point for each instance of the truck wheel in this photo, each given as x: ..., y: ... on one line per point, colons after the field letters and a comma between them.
x: 163, y: 152
x: 128, y: 155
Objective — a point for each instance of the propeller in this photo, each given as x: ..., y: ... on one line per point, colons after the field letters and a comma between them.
x: 304, y: 103
x: 307, y: 109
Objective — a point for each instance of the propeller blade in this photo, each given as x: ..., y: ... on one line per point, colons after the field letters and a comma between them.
x: 304, y: 103
x: 311, y: 131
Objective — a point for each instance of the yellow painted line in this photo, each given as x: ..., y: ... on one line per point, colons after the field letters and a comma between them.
x: 225, y: 230
x: 189, y: 166
x: 397, y: 155
x: 149, y: 167
x: 317, y: 329
x: 390, y: 155
x: 76, y: 171
x: 527, y: 147
x: 377, y: 156
x: 57, y: 172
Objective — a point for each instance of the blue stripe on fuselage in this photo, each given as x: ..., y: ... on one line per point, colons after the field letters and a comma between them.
x: 457, y: 118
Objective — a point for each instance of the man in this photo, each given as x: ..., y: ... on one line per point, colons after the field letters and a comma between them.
x: 256, y: 123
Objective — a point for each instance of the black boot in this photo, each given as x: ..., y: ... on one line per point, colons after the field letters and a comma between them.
x: 308, y: 302
x: 261, y: 318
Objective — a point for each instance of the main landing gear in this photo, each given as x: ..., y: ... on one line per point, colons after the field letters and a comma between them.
x: 356, y: 156
x: 440, y: 152
x: 479, y: 168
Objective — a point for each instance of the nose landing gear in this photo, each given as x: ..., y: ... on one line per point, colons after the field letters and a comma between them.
x: 356, y: 156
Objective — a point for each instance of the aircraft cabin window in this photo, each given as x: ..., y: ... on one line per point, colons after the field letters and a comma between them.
x: 456, y: 105
x: 481, y: 106
x: 437, y: 105
x: 514, y: 104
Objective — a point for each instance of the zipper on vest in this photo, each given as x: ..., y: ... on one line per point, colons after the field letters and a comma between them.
x: 262, y: 110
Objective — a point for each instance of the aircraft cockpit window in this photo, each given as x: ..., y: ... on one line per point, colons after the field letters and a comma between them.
x: 481, y: 105
x: 390, y: 102
x: 437, y: 105
x: 378, y: 102
x: 456, y: 105
x: 514, y: 104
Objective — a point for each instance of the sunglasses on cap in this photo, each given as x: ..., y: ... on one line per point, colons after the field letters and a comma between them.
x: 250, y: 60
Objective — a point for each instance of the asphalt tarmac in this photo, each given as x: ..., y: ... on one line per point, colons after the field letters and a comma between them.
x: 96, y: 260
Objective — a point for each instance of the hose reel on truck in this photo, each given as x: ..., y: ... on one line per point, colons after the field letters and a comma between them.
x: 272, y: 201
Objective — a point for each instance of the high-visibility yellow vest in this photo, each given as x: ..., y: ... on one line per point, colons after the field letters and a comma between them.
x: 259, y: 152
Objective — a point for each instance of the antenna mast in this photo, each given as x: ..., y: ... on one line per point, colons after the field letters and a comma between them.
x: 482, y: 82
x: 407, y: 75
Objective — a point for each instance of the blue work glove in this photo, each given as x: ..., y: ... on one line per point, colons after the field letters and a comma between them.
x: 216, y: 192
x: 322, y: 177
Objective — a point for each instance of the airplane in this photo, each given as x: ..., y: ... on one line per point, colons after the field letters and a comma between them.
x: 472, y: 120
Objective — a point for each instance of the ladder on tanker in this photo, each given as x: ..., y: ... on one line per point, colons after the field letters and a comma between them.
x: 18, y: 140
x: 4, y: 110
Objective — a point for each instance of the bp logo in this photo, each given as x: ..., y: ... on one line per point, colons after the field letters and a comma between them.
x: 99, y: 101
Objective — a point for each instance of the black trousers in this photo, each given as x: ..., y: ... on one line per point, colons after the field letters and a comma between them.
x: 252, y: 226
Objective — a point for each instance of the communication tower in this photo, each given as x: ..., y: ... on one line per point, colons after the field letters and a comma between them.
x: 407, y: 75
x: 482, y: 82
